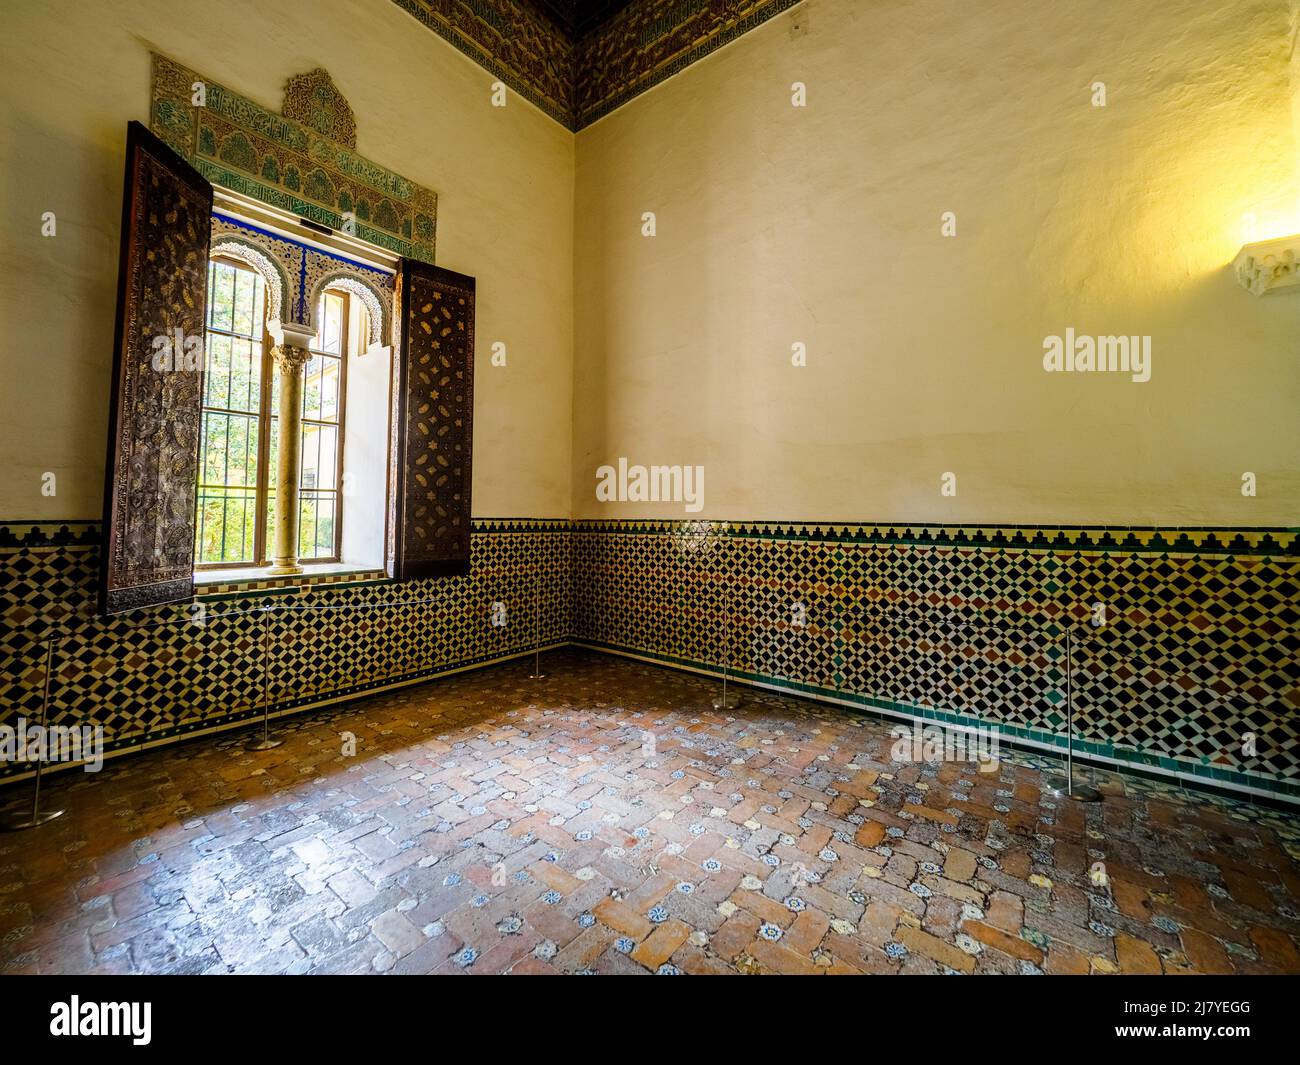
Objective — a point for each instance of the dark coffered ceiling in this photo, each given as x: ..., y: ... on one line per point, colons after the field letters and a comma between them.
x: 579, y: 17
x: 578, y: 60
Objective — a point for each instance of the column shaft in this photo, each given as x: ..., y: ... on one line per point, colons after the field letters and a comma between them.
x: 290, y: 362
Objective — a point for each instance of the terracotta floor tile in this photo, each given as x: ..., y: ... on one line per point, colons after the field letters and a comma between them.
x: 491, y: 823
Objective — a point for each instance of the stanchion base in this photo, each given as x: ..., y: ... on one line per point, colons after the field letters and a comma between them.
x: 1060, y: 787
x: 729, y: 703
x: 262, y: 745
x: 17, y: 822
x: 536, y: 676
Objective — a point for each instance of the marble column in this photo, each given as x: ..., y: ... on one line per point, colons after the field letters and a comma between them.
x: 290, y: 361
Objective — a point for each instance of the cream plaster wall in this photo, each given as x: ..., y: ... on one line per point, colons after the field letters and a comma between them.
x: 775, y: 225
x: 74, y: 73
x: 822, y: 225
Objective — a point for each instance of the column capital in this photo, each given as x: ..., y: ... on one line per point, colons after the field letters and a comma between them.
x: 290, y: 358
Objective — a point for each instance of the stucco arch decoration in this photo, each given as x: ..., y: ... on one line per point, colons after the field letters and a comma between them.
x: 262, y: 260
x: 378, y: 302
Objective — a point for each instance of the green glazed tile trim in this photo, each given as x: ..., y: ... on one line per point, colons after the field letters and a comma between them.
x: 1136, y: 759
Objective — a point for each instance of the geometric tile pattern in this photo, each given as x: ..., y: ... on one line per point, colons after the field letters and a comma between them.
x: 152, y: 675
x: 1197, y: 649
x: 606, y: 819
x: 1201, y: 645
x: 525, y: 50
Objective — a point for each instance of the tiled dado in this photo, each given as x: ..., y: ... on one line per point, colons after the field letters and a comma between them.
x: 968, y: 625
x: 156, y: 675
x: 959, y: 624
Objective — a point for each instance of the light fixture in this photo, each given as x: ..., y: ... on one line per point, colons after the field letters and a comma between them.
x: 1269, y: 265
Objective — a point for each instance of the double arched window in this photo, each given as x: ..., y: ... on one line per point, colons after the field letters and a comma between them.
x: 239, y: 433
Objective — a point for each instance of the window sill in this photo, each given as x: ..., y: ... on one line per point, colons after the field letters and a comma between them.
x: 256, y: 578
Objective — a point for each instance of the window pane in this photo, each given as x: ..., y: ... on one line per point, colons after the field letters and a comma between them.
x: 311, y: 388
x: 307, y: 526
x: 225, y: 525
x: 231, y: 417
x: 216, y: 371
x: 273, y: 452
x: 243, y: 309
x: 316, y: 528
x: 246, y: 375
x: 241, y: 444
x: 311, y: 458
x: 327, y: 446
x: 221, y: 297
x: 331, y: 371
x: 329, y: 319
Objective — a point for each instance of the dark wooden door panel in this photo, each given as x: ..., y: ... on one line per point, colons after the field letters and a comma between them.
x: 153, y: 436
x: 431, y: 469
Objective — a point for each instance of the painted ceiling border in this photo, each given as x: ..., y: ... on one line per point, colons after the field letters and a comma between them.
x: 653, y: 40
x: 579, y: 82
x: 536, y: 63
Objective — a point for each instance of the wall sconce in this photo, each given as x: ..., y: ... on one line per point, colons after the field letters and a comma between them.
x: 1269, y: 266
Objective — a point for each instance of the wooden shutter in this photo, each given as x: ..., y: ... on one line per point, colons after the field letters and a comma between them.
x: 433, y: 412
x: 153, y: 429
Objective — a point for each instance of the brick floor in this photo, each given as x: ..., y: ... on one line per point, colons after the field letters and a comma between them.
x: 489, y: 823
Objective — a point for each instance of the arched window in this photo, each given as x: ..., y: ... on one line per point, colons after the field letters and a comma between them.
x: 239, y: 422
x: 389, y: 490
x: 341, y: 333
x: 232, y: 440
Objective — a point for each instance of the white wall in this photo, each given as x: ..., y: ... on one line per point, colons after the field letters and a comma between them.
x: 75, y: 73
x: 822, y: 225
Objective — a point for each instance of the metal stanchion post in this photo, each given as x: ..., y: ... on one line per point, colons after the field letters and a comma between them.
x: 1065, y: 787
x: 537, y: 673
x: 726, y: 701
x: 15, y: 822
x: 265, y: 743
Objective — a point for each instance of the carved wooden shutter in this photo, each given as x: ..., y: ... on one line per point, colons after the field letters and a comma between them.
x: 153, y: 431
x: 433, y: 412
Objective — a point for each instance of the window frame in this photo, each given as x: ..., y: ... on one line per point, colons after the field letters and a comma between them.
x: 261, y: 489
x: 345, y: 345
x: 266, y: 415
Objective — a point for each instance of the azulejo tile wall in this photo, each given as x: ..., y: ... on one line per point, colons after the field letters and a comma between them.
x: 163, y: 674
x: 1199, y: 650
x: 1200, y: 647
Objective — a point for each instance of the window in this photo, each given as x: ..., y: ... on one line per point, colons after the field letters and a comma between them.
x: 232, y: 447
x: 239, y: 433
x: 392, y: 494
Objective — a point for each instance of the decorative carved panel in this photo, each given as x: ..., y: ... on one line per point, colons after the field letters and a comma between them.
x: 296, y: 275
x: 433, y: 410
x: 291, y: 161
x: 153, y: 441
x: 315, y: 101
